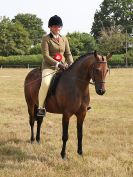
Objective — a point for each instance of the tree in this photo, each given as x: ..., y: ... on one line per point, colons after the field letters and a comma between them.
x: 81, y: 43
x: 113, y: 12
x: 33, y: 25
x: 112, y: 40
x: 36, y: 49
x: 14, y: 39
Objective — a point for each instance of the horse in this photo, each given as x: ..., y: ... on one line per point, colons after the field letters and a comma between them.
x: 71, y: 95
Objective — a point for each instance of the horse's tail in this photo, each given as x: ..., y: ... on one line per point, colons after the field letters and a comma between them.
x: 31, y: 88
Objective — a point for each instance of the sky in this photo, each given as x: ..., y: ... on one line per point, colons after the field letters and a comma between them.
x: 77, y: 15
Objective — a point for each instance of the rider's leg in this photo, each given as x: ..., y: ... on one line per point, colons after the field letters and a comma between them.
x: 47, y: 75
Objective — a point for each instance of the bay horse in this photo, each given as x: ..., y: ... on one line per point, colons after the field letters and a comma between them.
x: 71, y: 96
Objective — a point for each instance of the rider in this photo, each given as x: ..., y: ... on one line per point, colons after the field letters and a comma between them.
x: 56, y: 55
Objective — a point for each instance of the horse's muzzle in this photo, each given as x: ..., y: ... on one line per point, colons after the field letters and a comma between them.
x: 100, y: 91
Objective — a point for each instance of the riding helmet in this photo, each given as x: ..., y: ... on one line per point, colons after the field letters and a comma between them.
x: 55, y: 20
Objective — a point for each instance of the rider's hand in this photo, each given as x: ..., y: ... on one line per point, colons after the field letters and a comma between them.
x: 62, y: 66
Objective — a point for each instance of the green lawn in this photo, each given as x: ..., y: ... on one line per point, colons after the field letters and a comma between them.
x: 108, y: 133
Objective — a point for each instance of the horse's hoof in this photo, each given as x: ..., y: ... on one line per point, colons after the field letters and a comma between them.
x: 38, y: 141
x: 80, y: 152
x: 63, y: 155
x: 32, y: 141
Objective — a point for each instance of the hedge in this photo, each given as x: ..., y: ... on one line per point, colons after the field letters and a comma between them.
x: 36, y: 60
x: 120, y: 60
x: 22, y: 60
x: 117, y: 60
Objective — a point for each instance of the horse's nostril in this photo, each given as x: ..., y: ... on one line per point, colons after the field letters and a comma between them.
x: 100, y: 91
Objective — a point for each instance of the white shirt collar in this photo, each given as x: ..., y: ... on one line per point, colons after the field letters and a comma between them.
x: 55, y: 36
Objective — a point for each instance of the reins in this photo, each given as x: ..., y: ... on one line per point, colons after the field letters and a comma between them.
x: 54, y: 73
x: 93, y: 77
x: 40, y: 78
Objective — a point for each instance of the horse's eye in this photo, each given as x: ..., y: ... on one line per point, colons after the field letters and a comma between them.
x: 107, y: 70
x: 97, y: 71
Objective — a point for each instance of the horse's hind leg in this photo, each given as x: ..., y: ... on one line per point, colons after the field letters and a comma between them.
x: 39, y: 123
x: 31, y: 121
x: 65, y: 124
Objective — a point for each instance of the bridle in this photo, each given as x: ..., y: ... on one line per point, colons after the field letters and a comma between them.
x: 93, y: 73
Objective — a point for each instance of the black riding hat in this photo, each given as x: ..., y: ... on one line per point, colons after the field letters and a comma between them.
x: 55, y: 20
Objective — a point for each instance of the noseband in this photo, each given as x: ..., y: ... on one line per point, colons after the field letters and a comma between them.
x: 93, y: 73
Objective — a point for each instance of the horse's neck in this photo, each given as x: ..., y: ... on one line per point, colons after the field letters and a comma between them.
x: 82, y: 67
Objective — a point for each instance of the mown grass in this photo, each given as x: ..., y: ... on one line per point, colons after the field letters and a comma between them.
x: 108, y: 133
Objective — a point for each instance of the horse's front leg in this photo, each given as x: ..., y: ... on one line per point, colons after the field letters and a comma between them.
x: 39, y: 123
x: 65, y: 124
x: 80, y: 120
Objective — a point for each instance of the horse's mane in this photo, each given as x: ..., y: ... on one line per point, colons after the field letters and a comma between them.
x: 57, y: 76
x: 80, y: 58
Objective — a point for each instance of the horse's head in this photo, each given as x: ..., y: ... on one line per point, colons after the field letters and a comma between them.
x: 99, y: 71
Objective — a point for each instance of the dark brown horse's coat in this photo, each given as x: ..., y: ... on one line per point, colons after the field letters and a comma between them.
x: 71, y: 96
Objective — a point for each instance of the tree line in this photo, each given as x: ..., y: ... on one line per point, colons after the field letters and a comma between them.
x: 111, y: 32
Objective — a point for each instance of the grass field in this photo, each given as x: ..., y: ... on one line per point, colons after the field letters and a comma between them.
x: 107, y: 141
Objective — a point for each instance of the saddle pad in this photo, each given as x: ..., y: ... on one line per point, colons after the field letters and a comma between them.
x: 54, y: 82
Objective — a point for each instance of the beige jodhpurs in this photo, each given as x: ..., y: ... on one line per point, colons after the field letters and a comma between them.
x: 47, y: 75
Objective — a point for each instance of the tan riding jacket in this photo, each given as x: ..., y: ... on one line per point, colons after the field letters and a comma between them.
x: 51, y: 46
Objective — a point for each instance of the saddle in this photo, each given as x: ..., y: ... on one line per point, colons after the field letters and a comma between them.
x: 54, y: 82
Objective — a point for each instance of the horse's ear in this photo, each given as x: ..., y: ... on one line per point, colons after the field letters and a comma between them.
x: 95, y: 54
x: 109, y: 56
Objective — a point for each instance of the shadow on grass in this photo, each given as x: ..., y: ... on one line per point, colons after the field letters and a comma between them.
x: 11, y: 155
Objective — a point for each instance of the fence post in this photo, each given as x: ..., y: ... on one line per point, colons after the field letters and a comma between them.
x: 126, y: 62
x: 28, y: 66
